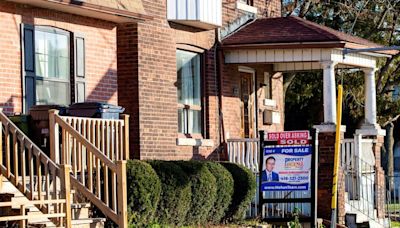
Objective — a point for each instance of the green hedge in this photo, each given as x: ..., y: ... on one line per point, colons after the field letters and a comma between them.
x: 204, y: 191
x: 245, y: 188
x: 224, y: 183
x: 144, y: 189
x: 175, y: 194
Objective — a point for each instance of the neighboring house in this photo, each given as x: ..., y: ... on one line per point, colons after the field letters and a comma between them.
x: 60, y: 53
x: 170, y: 80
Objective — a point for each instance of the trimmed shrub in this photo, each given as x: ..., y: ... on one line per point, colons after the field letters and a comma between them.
x: 244, y: 191
x: 204, y: 191
x: 175, y: 193
x: 224, y: 183
x: 144, y: 189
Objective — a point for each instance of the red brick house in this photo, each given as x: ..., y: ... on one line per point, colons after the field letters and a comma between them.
x: 34, y: 31
x: 111, y: 53
x: 192, y: 75
x: 169, y: 80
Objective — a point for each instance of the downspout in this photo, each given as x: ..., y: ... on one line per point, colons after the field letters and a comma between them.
x: 218, y: 61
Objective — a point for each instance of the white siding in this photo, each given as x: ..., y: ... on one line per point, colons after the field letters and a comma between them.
x: 205, y: 14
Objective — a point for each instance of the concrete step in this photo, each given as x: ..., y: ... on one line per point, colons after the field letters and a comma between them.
x: 88, y: 223
x: 80, y: 210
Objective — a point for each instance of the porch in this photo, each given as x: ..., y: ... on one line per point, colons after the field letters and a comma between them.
x: 85, y: 167
x: 305, y: 46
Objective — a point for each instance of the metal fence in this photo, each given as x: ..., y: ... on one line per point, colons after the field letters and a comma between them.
x: 393, y: 199
x: 359, y: 181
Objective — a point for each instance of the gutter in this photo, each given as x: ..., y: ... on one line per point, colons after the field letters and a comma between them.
x: 87, y: 9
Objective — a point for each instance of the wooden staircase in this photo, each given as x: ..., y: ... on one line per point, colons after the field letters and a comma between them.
x: 79, y: 176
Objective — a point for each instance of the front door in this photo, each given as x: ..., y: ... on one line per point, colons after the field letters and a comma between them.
x: 247, y: 105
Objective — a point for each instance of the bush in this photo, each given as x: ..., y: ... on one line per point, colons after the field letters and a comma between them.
x: 144, y: 189
x: 244, y: 191
x: 224, y: 183
x: 204, y: 191
x: 175, y: 194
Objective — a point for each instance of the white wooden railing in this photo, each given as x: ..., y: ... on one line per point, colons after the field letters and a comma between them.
x: 110, y: 136
x: 245, y: 152
x: 40, y: 179
x: 98, y: 168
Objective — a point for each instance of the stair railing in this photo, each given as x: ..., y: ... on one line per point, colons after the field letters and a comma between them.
x: 94, y: 174
x: 110, y: 136
x: 33, y: 173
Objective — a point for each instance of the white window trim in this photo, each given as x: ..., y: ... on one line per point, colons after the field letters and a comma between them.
x: 243, y: 6
x: 194, y: 142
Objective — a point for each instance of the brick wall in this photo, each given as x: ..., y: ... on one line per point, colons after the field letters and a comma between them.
x: 380, y: 185
x: 152, y: 79
x: 128, y: 70
x: 231, y: 98
x: 265, y: 8
x: 326, y: 154
x: 100, y: 40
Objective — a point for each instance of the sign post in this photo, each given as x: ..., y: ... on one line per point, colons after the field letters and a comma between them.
x: 287, y: 164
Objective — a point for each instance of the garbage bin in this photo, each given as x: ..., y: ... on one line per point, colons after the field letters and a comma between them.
x: 22, y: 122
x: 95, y: 110
x: 40, y: 124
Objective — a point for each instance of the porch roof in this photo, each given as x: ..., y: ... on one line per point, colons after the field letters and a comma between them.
x: 120, y: 11
x: 293, y: 32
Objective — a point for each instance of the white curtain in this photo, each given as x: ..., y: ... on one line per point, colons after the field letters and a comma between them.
x: 189, y: 93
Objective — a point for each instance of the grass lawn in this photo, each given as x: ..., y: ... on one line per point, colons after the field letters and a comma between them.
x: 395, y: 224
x: 393, y: 207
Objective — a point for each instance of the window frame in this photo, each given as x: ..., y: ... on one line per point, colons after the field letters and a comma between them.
x: 200, y: 107
x: 247, y: 2
x: 58, y: 31
x: 74, y: 84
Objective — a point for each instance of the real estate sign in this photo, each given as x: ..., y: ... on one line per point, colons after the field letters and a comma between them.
x: 286, y: 168
x: 287, y: 162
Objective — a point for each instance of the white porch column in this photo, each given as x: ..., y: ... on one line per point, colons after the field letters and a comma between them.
x: 329, y: 92
x: 370, y: 96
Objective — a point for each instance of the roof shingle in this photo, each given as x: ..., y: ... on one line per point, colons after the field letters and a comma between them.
x: 290, y: 30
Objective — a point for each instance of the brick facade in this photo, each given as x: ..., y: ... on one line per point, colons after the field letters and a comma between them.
x: 326, y: 154
x: 100, y: 40
x: 147, y: 82
x: 380, y: 184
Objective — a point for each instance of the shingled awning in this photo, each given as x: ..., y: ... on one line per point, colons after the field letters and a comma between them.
x: 294, y: 32
x: 119, y: 11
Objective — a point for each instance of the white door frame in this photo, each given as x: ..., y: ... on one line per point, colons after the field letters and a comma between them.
x: 252, y: 71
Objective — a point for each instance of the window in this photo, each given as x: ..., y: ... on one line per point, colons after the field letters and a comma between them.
x: 189, y: 92
x: 54, y: 66
x: 247, y: 2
